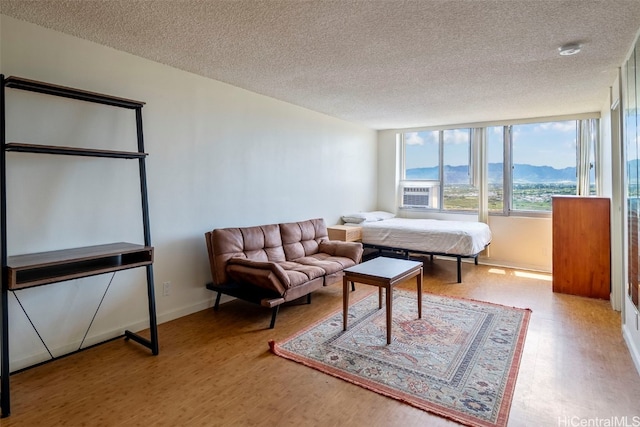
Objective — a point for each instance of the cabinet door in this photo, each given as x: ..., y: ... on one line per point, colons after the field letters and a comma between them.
x: 581, y: 246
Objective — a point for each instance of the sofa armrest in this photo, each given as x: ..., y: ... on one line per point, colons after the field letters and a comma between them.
x: 265, y: 274
x: 352, y: 250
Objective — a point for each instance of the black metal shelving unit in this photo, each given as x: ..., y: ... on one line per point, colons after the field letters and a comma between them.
x: 29, y: 270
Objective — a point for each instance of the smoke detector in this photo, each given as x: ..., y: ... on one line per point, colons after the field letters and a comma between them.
x: 570, y: 49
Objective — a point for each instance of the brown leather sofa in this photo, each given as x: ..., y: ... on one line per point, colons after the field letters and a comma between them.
x: 272, y: 264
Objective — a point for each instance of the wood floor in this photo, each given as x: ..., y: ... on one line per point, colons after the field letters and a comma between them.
x: 215, y: 369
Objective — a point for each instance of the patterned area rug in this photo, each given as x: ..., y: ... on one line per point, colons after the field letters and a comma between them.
x: 459, y: 361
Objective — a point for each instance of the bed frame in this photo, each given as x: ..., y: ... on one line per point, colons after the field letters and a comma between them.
x: 404, y: 253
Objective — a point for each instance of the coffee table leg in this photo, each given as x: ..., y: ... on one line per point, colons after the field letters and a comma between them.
x: 380, y: 297
x: 345, y: 302
x: 389, y: 291
x: 419, y: 280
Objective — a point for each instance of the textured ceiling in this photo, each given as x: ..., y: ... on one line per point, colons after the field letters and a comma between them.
x: 381, y: 63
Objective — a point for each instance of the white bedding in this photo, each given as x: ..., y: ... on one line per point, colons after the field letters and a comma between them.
x: 464, y: 238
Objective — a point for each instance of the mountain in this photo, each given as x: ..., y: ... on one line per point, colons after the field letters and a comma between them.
x: 633, y: 167
x: 522, y: 173
x: 544, y: 174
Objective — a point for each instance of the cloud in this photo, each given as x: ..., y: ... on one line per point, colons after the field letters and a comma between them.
x: 567, y: 126
x: 413, y: 138
x: 456, y: 136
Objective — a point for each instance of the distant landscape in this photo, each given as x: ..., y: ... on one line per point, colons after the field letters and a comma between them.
x: 521, y: 173
x: 533, y: 186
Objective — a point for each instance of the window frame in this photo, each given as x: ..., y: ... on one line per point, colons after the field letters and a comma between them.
x: 507, y: 134
x: 440, y: 182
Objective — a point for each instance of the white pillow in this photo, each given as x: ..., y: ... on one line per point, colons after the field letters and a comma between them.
x: 357, y: 218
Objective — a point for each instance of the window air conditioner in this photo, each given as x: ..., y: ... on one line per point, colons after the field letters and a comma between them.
x: 416, y: 197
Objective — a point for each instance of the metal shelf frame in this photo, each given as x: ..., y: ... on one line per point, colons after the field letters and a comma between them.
x: 140, y: 155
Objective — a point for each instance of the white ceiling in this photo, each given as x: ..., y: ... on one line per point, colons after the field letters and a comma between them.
x: 381, y: 63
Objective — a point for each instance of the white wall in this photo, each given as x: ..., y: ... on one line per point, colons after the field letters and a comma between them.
x: 218, y: 156
x: 521, y: 242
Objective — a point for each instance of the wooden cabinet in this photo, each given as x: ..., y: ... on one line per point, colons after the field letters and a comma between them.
x: 346, y: 233
x: 581, y: 246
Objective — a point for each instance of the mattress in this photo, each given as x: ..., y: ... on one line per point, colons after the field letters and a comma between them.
x: 464, y: 238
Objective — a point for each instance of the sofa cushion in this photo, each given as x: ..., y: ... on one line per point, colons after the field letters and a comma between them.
x: 278, y: 277
x: 261, y: 277
x: 268, y: 275
x: 330, y: 264
x: 300, y: 273
x: 261, y: 243
x: 300, y: 239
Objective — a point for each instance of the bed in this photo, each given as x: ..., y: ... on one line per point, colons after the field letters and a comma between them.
x: 385, y: 234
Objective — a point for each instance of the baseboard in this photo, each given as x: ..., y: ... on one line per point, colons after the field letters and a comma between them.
x: 183, y: 311
x: 507, y: 264
x: 633, y: 350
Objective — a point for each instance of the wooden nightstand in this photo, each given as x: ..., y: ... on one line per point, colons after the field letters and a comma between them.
x: 346, y: 233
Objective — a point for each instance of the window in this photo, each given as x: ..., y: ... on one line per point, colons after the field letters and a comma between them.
x: 592, y: 140
x: 458, y: 189
x: 526, y: 165
x: 422, y: 170
x: 422, y: 155
x: 437, y: 160
x: 543, y: 163
x: 495, y: 168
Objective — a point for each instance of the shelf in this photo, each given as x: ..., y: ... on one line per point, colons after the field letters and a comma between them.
x: 72, y: 151
x: 67, y: 92
x: 37, y: 269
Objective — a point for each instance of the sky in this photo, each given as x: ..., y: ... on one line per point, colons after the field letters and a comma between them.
x: 539, y: 144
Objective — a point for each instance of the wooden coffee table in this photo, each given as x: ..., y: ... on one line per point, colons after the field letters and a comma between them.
x: 384, y: 273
